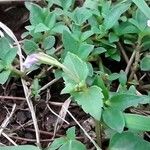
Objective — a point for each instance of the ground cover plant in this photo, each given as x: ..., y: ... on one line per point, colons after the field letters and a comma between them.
x: 96, y: 56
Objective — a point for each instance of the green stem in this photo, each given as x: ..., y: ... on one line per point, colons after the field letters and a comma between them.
x: 19, y: 73
x: 101, y: 67
x: 98, y: 133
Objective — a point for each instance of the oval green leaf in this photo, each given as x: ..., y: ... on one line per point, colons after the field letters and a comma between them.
x: 145, y: 63
x: 91, y: 101
x: 114, y: 119
x: 123, y: 101
x: 137, y: 122
x: 128, y: 141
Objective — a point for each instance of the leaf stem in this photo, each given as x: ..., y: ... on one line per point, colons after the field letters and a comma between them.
x: 98, y: 133
x: 19, y: 73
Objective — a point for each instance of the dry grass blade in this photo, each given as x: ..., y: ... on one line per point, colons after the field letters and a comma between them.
x: 62, y: 114
x: 6, y: 121
x: 48, y: 96
x: 9, y: 139
x: 24, y: 84
x: 1, y: 34
x: 92, y: 141
x: 48, y: 84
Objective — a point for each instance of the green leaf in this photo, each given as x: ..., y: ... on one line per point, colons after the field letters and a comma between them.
x: 125, y: 28
x: 2, y: 65
x: 123, y: 101
x: 22, y: 147
x: 80, y: 15
x: 91, y: 101
x: 92, y: 6
x: 137, y: 122
x: 86, y: 35
x: 73, y: 145
x: 113, y: 54
x: 36, y: 14
x: 114, y: 14
x: 57, y: 143
x: 29, y: 46
x: 66, y: 4
x: 113, y: 37
x: 105, y: 8
x: 145, y: 63
x: 48, y: 42
x: 69, y: 86
x: 143, y: 7
x: 122, y: 78
x: 141, y: 20
x: 10, y: 56
x: 128, y: 141
x: 113, y: 76
x: 59, y: 28
x: 98, y: 50
x: 67, y: 143
x: 7, y: 54
x: 4, y: 75
x: 50, y: 20
x: 41, y: 28
x: 69, y: 42
x: 84, y: 50
x: 75, y: 65
x: 114, y: 119
x: 100, y: 83
x: 71, y: 133
x: 4, y: 47
x: 30, y: 27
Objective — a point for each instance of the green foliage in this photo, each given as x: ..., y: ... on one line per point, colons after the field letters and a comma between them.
x: 7, y: 55
x: 123, y: 101
x: 145, y: 63
x: 91, y: 100
x: 4, y: 75
x: 48, y: 42
x: 29, y: 46
x: 41, y: 19
x: 114, y: 119
x: 114, y: 14
x: 122, y: 78
x: 67, y: 143
x: 143, y: 7
x: 128, y: 141
x: 75, y: 65
x: 137, y: 122
x: 80, y: 15
x: 72, y: 45
x: 83, y: 41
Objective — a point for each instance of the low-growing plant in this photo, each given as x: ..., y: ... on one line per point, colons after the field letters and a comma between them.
x: 86, y: 36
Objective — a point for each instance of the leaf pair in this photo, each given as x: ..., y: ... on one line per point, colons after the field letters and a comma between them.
x: 117, y: 120
x: 80, y: 48
x: 90, y: 98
